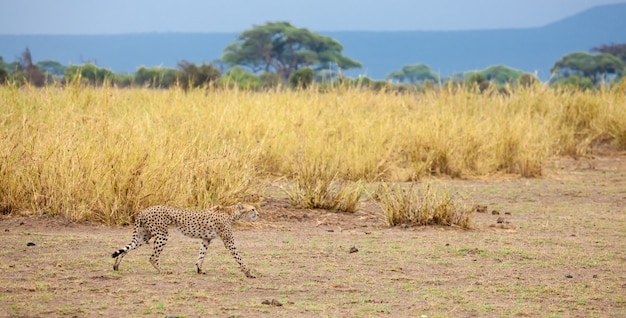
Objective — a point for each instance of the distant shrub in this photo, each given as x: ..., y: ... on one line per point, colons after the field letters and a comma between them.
x: 238, y: 77
x: 301, y: 78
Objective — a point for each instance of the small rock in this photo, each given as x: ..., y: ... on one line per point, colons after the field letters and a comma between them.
x: 495, y: 212
x: 30, y: 244
x: 353, y: 249
x: 404, y: 225
x: 507, y: 213
x: 500, y: 220
x: 569, y: 276
x: 595, y: 276
x: 331, y: 230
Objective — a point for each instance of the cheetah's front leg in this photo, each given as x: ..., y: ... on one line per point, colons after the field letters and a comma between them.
x: 229, y: 243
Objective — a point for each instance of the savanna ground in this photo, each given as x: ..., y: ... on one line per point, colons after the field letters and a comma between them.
x: 560, y: 251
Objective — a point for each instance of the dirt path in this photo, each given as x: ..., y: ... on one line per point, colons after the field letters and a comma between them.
x: 559, y: 251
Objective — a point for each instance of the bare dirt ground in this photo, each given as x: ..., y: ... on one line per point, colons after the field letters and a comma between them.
x: 559, y: 251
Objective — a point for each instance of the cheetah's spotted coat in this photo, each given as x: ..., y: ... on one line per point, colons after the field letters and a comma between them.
x: 206, y: 225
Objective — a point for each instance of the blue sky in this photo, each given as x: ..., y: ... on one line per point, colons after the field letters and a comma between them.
x: 138, y: 16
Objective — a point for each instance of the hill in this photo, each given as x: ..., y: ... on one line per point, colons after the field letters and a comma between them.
x: 533, y: 50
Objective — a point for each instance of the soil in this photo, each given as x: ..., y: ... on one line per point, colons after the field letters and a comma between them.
x: 551, y: 246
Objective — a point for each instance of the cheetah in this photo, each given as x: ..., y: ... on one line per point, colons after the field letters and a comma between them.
x: 206, y: 225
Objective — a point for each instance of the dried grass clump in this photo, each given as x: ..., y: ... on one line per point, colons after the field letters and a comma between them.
x: 426, y: 207
x: 315, y: 186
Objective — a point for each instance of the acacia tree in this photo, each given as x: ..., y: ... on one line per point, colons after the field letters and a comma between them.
x: 279, y: 47
x: 415, y: 73
x: 594, y: 67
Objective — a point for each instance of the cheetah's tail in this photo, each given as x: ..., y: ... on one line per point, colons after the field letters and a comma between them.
x: 118, y: 252
x: 134, y: 243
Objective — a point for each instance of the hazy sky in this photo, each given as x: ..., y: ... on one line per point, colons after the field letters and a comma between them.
x: 134, y: 16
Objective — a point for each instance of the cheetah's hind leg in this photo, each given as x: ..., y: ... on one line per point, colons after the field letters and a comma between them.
x: 203, y: 249
x: 160, y: 240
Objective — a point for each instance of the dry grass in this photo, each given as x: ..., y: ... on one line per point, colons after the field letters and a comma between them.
x: 427, y: 206
x: 102, y: 153
x: 316, y: 187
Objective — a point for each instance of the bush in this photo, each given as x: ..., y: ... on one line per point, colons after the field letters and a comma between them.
x: 301, y: 78
x: 198, y: 76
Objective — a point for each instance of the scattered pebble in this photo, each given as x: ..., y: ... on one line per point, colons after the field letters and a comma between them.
x: 507, y: 213
x: 30, y: 244
x: 353, y: 249
x: 495, y: 212
x: 500, y: 220
x: 569, y: 276
x: 331, y: 230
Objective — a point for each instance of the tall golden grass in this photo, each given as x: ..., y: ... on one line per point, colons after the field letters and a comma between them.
x: 103, y: 153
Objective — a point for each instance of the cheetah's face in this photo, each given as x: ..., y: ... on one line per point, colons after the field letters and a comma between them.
x: 247, y: 211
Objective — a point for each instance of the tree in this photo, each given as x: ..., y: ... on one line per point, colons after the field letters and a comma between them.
x: 617, y: 50
x: 51, y: 67
x: 414, y: 74
x: 155, y: 77
x: 197, y: 76
x: 594, y: 67
x: 89, y: 73
x: 4, y: 71
x: 501, y: 74
x: 477, y: 79
x: 281, y: 48
x: 4, y: 76
x: 31, y: 72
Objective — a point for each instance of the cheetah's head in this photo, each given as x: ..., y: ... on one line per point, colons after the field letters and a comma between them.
x: 247, y: 211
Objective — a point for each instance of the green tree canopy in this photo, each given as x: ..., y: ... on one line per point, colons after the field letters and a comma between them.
x: 89, y: 73
x: 281, y: 48
x: 156, y: 77
x: 594, y: 67
x: 415, y: 73
x: 51, y: 67
x: 501, y: 74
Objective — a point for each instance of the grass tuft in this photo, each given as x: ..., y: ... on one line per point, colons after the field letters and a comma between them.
x: 426, y: 207
x: 315, y: 186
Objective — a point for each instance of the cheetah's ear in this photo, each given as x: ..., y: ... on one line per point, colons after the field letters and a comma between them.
x: 240, y: 206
